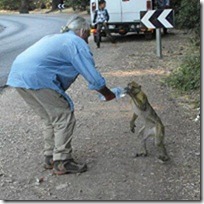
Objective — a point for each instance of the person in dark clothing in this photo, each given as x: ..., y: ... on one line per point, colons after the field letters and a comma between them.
x: 101, y: 18
x: 163, y: 4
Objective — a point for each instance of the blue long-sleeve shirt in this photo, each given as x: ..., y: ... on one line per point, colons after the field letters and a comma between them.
x: 54, y: 62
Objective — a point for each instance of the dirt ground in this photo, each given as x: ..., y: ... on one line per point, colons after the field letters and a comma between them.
x: 102, y: 137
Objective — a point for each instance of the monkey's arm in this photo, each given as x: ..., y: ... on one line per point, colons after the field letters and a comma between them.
x: 142, y: 101
x: 132, y: 123
x: 153, y: 117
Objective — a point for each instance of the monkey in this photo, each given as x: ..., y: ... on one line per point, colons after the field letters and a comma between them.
x: 153, y: 125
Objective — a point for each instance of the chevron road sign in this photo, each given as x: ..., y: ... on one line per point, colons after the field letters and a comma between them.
x: 162, y: 18
x: 157, y: 19
x: 61, y: 6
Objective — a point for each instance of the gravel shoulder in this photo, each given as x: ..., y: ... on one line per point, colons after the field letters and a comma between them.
x: 102, y: 137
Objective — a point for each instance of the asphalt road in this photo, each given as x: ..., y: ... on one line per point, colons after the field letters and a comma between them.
x: 20, y: 32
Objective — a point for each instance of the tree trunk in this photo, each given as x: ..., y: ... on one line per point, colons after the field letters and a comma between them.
x: 24, y: 6
x: 55, y: 4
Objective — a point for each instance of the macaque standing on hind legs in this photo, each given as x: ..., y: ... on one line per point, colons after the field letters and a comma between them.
x: 153, y: 125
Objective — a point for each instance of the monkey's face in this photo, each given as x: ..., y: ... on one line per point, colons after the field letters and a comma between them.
x: 133, y: 88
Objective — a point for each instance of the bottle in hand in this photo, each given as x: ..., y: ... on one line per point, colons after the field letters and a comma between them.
x: 118, y: 91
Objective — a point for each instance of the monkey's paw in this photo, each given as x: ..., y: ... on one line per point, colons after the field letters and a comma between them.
x: 132, y: 128
x: 141, y: 154
x: 163, y: 158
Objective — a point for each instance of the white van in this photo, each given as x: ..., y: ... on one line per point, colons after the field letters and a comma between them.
x: 124, y: 15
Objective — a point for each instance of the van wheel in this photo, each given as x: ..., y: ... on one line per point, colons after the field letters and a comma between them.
x: 149, y: 36
x: 122, y: 34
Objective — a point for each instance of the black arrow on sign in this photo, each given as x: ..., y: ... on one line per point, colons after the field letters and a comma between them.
x: 61, y: 6
x: 170, y: 18
x: 153, y: 19
x: 157, y: 18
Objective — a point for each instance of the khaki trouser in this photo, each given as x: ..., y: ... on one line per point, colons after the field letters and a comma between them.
x: 58, y: 119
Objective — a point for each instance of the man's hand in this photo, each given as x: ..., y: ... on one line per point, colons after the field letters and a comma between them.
x: 107, y: 93
x: 110, y: 97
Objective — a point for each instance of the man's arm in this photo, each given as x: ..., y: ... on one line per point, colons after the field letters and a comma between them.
x: 107, y: 93
x: 83, y: 62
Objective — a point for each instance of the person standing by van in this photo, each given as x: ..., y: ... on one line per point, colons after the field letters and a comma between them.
x: 101, y: 18
x: 163, y: 4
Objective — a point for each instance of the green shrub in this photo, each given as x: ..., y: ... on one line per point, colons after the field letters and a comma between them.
x: 188, y: 17
x: 9, y: 4
x: 187, y: 76
x: 189, y: 14
x: 42, y: 4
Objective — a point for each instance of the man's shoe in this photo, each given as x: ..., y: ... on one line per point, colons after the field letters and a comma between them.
x: 68, y: 166
x: 49, y: 163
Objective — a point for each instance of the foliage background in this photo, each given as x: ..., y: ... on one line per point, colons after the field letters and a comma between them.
x: 187, y: 77
x: 33, y: 4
